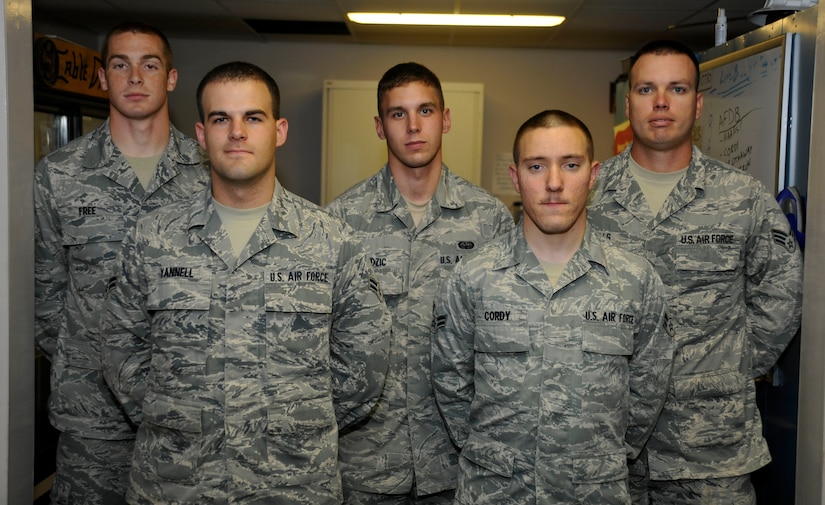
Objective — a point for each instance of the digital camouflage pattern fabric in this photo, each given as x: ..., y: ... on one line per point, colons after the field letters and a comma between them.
x: 549, y: 390
x: 86, y: 198
x: 733, y: 273
x: 405, y: 442
x: 240, y: 371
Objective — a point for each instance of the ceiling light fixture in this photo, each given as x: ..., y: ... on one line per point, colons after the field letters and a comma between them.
x: 405, y: 18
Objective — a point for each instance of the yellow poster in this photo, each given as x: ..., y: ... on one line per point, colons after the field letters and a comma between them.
x: 622, y: 136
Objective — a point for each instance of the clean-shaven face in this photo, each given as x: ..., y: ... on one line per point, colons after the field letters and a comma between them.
x: 412, y: 123
x: 135, y: 76
x: 239, y: 132
x: 663, y: 104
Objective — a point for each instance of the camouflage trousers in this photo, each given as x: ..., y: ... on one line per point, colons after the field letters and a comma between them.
x: 638, y: 479
x: 91, y: 472
x: 352, y: 497
x: 726, y: 491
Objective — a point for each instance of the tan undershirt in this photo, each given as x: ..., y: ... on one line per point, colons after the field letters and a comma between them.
x: 553, y: 270
x: 656, y: 186
x: 416, y: 210
x: 240, y: 224
x: 144, y: 167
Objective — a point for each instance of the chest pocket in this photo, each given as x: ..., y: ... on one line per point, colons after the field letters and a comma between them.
x: 606, y: 348
x: 502, y: 350
x: 501, y: 329
x: 389, y: 259
x: 105, y: 228
x: 92, y: 243
x: 298, y: 319
x: 711, y: 251
x: 178, y: 303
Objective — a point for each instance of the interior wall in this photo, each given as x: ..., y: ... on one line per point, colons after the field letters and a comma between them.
x: 517, y: 84
x: 16, y: 255
x: 810, y: 467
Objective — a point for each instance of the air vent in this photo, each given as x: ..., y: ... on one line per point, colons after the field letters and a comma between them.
x: 290, y: 27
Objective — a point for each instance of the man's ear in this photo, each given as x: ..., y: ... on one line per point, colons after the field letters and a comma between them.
x: 700, y: 102
x: 379, y: 128
x: 514, y: 177
x: 171, y: 80
x: 594, y: 172
x: 101, y: 75
x: 201, y: 134
x: 447, y: 122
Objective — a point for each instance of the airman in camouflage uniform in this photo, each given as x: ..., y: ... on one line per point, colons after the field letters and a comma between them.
x: 548, y: 386
x: 403, y: 452
x: 733, y: 273
x: 87, y: 196
x: 240, y: 367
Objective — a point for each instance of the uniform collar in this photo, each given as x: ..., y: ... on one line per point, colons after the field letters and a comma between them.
x: 518, y: 255
x: 102, y: 153
x: 618, y: 177
x: 282, y: 212
x: 447, y: 193
x: 616, y: 180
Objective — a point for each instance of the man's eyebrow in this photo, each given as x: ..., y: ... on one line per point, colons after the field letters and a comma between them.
x: 142, y: 58
x: 248, y: 113
x: 533, y: 158
x: 565, y: 157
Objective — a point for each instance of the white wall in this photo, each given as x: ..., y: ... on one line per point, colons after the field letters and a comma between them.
x: 517, y: 83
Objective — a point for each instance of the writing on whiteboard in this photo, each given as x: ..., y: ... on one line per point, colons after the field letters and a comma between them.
x: 740, y: 121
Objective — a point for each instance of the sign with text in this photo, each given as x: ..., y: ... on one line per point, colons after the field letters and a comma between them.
x: 65, y: 66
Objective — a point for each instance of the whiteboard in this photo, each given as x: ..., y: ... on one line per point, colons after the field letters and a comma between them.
x: 352, y: 150
x: 744, y: 118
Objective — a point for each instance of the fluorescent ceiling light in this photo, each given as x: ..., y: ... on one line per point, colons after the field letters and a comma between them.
x: 404, y: 18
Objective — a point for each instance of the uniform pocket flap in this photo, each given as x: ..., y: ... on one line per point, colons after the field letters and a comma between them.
x: 708, y: 384
x: 501, y: 329
x: 391, y: 280
x: 307, y: 290
x: 94, y: 229
x: 172, y: 413
x: 599, y: 468
x: 180, y: 287
x: 307, y: 414
x: 490, y: 454
x: 603, y: 338
x: 704, y: 258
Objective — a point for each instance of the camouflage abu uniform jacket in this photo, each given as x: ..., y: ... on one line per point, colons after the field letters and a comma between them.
x: 549, y: 391
x: 237, y: 369
x: 86, y: 198
x: 406, y: 436
x: 733, y: 273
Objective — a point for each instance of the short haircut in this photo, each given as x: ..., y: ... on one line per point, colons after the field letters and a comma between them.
x: 664, y: 47
x: 551, y: 119
x: 240, y: 71
x: 405, y: 73
x: 142, y: 28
